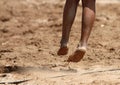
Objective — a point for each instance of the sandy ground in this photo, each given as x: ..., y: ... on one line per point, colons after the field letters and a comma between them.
x: 30, y: 31
x: 108, y: 1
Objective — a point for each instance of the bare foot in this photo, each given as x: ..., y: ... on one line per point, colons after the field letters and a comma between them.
x: 77, y: 55
x: 63, y: 51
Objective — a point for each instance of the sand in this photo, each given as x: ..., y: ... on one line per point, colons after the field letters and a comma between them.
x: 30, y: 32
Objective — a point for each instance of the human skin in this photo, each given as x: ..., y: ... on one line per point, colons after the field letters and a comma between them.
x: 88, y: 17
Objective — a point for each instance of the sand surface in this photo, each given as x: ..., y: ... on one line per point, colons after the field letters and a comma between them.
x: 30, y: 31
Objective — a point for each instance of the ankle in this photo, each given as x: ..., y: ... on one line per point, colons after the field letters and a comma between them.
x: 82, y: 46
x: 63, y: 45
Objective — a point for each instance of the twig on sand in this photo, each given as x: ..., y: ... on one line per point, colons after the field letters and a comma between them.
x: 89, y: 72
x: 15, y: 82
x: 100, y: 71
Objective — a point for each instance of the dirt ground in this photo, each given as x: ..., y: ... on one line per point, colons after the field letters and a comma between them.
x: 30, y: 31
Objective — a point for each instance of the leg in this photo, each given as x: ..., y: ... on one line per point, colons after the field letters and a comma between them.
x: 68, y: 19
x: 88, y: 17
x: 87, y: 21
